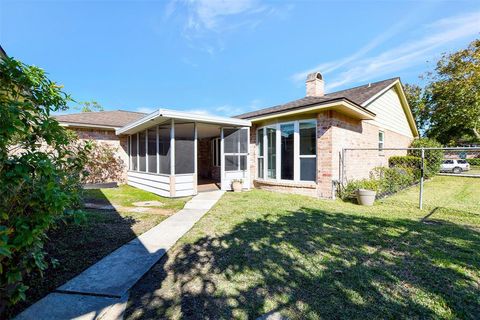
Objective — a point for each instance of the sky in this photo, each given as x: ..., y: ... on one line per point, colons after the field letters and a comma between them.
x: 228, y: 57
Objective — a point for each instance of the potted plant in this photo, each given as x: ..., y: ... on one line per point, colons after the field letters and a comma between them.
x: 237, y: 185
x: 366, y: 197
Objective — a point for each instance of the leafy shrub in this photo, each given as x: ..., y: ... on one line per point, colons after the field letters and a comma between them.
x: 383, y: 180
x: 104, y: 164
x: 349, y: 191
x: 407, y: 162
x: 40, y: 169
x: 474, y: 161
x: 392, y: 180
x: 433, y: 158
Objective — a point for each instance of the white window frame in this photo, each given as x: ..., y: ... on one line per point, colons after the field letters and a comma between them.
x: 306, y: 156
x: 381, y: 142
x: 259, y: 157
x: 296, y: 147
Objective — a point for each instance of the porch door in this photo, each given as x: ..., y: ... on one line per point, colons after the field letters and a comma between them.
x: 235, y: 162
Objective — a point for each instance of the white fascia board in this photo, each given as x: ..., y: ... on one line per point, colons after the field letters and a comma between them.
x: 403, y: 98
x: 138, y: 122
x: 362, y: 114
x: 179, y: 115
x: 86, y: 125
x: 378, y: 94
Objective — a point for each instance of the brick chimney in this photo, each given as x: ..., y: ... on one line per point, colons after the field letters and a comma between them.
x: 315, y: 85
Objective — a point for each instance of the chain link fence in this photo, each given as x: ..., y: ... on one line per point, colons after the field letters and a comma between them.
x: 391, y: 170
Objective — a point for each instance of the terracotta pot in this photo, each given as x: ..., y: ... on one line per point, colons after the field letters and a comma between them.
x: 366, y: 197
x: 237, y: 186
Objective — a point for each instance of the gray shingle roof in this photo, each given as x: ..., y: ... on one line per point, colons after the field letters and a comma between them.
x: 114, y: 119
x: 357, y: 95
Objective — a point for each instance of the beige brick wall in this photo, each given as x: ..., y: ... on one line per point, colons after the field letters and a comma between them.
x: 351, y: 133
x: 119, y: 143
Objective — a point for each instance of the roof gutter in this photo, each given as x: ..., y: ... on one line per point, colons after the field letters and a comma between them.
x: 184, y: 116
x: 86, y: 125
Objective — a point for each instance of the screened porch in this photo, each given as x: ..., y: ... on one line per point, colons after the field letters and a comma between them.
x: 174, y: 154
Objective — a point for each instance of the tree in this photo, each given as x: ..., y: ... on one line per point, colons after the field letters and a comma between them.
x: 89, y: 106
x: 416, y: 101
x: 41, y: 166
x: 452, y: 97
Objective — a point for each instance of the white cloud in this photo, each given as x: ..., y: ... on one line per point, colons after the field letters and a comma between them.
x: 408, y: 54
x: 207, y: 23
x: 209, y: 14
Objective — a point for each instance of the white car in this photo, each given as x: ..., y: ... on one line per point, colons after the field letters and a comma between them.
x: 454, y: 165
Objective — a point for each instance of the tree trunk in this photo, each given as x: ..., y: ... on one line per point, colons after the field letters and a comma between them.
x: 476, y: 133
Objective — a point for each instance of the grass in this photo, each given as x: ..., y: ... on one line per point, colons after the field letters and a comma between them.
x: 78, y: 246
x: 258, y: 252
x: 474, y: 170
x: 125, y: 195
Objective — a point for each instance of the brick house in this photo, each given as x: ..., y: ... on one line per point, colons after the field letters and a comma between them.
x: 294, y: 147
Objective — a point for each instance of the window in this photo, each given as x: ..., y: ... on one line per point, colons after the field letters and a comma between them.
x: 216, y: 152
x: 142, y: 148
x: 308, y: 150
x: 235, y: 144
x: 293, y: 145
x: 381, y: 140
x: 287, y: 153
x: 271, y: 153
x: 260, y: 151
x: 152, y: 149
x: 184, y: 148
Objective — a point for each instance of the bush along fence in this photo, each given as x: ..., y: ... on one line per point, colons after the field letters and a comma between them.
x: 390, y: 170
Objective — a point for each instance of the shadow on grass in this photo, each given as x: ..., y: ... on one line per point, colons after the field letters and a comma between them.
x: 312, y: 264
x: 76, y: 247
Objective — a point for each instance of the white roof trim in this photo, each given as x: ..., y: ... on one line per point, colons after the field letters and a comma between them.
x: 405, y: 105
x: 86, y: 125
x: 181, y: 115
x: 378, y: 94
x: 354, y: 109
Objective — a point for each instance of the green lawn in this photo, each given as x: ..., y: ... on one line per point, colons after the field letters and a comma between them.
x: 78, y: 246
x: 474, y: 170
x: 258, y: 252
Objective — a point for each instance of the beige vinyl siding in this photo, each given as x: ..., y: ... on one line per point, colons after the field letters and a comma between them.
x: 390, y: 114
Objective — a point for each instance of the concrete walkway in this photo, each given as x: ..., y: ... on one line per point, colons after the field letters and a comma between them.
x: 101, y: 291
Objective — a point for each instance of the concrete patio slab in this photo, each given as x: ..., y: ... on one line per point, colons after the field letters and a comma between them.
x: 116, y: 273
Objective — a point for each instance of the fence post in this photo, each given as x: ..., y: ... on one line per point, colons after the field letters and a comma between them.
x: 422, y: 170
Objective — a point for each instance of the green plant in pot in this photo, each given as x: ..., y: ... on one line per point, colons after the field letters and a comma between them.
x: 237, y: 185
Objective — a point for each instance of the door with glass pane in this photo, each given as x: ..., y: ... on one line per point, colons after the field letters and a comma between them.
x: 234, y: 151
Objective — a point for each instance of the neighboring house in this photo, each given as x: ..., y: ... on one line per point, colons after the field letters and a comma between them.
x: 3, y: 54
x: 293, y: 147
x: 100, y: 126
